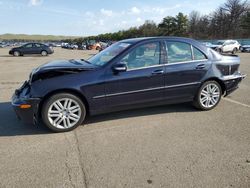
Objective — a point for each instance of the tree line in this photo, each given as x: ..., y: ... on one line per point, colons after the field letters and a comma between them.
x: 230, y: 20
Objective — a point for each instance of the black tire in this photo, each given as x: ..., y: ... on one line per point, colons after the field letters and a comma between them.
x: 234, y: 51
x: 16, y: 53
x: 197, y: 100
x: 219, y: 50
x: 49, y: 102
x: 44, y: 53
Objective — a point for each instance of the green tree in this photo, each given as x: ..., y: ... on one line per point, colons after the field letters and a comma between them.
x: 181, y: 25
x: 168, y: 26
x: 148, y: 29
x: 177, y: 25
x: 245, y: 24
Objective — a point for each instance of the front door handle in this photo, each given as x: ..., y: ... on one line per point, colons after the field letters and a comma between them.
x: 200, y: 66
x: 156, y: 72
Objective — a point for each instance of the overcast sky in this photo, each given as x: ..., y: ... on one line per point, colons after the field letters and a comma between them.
x: 90, y: 17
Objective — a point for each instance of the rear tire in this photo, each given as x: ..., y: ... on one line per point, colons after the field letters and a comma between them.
x: 208, y: 96
x: 63, y: 112
x: 234, y: 51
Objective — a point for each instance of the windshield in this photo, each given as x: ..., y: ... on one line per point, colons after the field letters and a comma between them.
x: 220, y: 42
x: 109, y: 53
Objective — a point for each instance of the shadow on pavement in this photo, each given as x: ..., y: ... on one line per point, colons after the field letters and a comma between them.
x: 186, y: 107
x: 11, y: 126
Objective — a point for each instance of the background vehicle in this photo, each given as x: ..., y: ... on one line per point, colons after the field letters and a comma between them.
x: 103, y: 45
x: 228, y: 46
x: 129, y: 74
x: 70, y: 46
x: 3, y: 45
x: 31, y: 48
x: 73, y: 46
x: 82, y: 47
x: 245, y: 48
x: 208, y: 44
x: 92, y: 45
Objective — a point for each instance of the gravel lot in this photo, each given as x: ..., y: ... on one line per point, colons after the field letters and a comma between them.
x: 167, y: 146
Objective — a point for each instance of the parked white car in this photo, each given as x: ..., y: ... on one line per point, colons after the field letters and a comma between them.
x: 227, y: 46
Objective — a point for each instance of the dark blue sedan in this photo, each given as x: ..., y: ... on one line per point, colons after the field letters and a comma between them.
x: 129, y: 74
x: 31, y: 49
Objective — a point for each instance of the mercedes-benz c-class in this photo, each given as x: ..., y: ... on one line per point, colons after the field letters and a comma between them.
x: 129, y: 74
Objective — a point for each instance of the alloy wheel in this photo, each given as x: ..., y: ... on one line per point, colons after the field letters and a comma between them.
x: 16, y: 53
x: 64, y: 113
x: 44, y: 53
x: 210, y: 95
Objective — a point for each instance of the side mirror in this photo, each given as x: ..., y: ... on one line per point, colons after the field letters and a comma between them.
x: 119, y: 67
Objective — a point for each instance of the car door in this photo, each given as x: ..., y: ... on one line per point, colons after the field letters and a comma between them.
x: 37, y: 48
x: 143, y: 81
x: 228, y: 46
x: 186, y: 67
x: 27, y: 49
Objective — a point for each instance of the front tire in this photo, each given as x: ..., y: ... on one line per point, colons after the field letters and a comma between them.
x: 44, y: 53
x: 16, y: 53
x: 208, y: 96
x: 63, y: 112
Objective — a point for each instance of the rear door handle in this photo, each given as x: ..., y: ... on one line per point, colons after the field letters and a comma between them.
x: 200, y: 66
x: 156, y: 72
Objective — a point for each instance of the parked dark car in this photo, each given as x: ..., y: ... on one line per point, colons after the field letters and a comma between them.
x: 245, y: 48
x: 127, y: 75
x: 31, y: 48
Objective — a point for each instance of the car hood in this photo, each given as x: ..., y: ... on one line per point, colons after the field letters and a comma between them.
x: 60, y: 68
x: 66, y: 64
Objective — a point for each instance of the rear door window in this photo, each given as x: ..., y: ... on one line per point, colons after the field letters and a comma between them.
x: 38, y: 45
x: 178, y: 52
x: 198, y: 55
x: 28, y: 46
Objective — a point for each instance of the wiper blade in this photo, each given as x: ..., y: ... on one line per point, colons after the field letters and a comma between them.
x: 74, y: 62
x: 86, y: 61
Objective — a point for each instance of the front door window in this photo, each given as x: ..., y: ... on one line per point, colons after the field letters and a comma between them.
x: 143, y: 56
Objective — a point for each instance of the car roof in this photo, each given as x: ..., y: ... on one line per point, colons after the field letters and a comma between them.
x: 136, y: 40
x: 179, y: 39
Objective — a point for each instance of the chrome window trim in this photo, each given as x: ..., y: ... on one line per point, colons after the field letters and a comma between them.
x: 158, y: 65
x: 184, y: 62
x: 167, y: 64
x: 143, y: 90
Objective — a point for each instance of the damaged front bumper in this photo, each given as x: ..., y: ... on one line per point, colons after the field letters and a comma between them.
x: 25, y: 107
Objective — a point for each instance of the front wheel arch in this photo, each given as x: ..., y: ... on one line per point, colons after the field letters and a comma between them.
x: 70, y: 91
